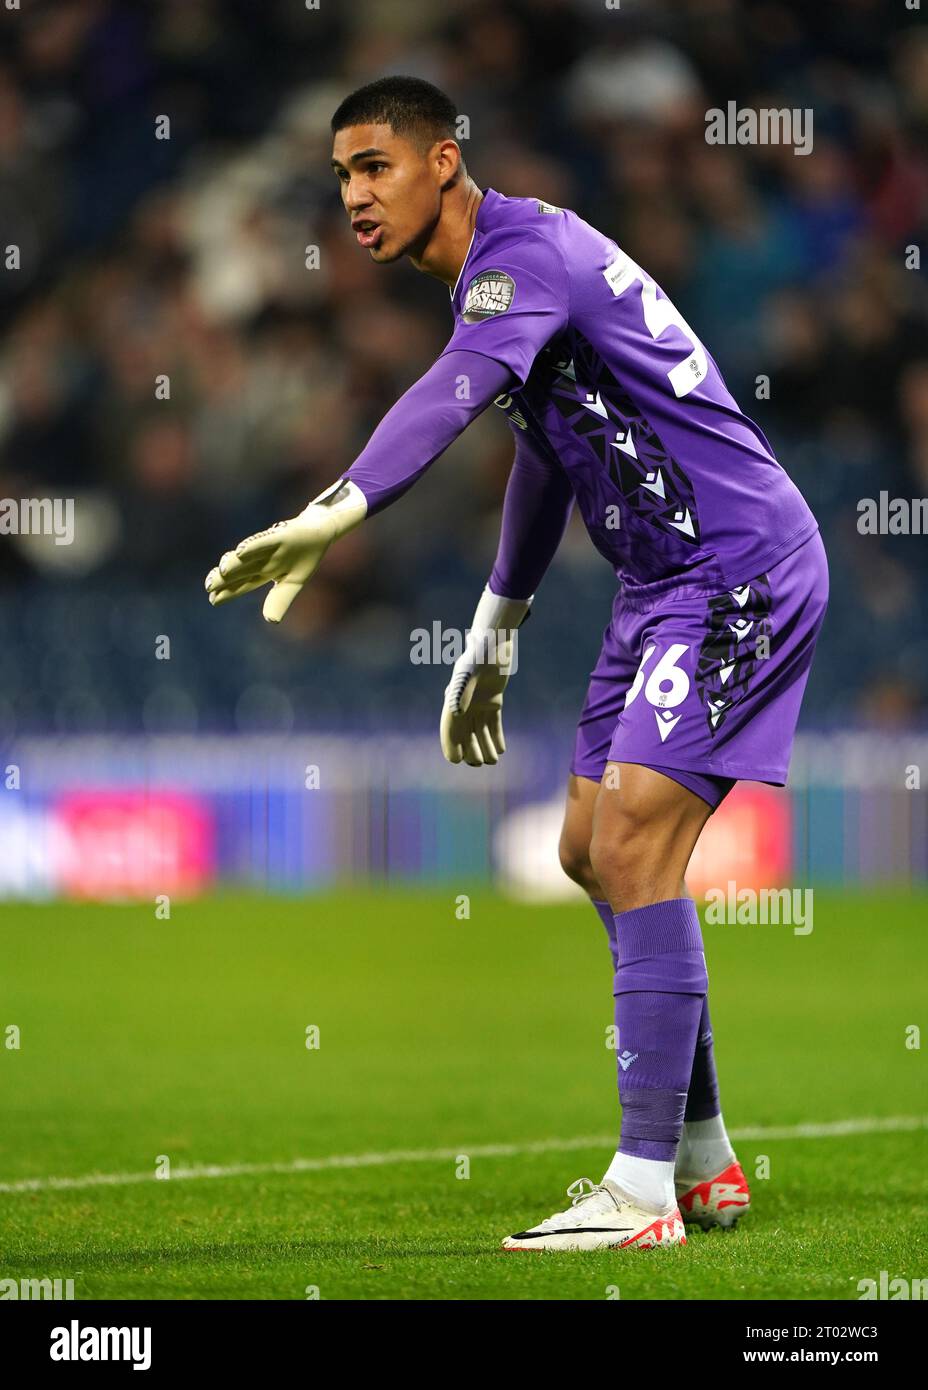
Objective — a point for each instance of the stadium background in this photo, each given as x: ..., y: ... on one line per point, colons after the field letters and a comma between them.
x: 186, y: 256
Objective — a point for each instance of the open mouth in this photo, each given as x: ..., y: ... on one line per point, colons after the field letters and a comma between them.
x: 368, y: 233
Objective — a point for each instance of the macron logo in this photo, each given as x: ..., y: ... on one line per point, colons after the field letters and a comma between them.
x: 76, y: 1343
x: 626, y: 1059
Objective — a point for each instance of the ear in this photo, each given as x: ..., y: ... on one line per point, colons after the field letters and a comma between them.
x: 449, y: 161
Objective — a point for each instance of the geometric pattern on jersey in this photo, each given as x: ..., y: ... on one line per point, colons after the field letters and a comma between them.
x: 599, y: 410
x: 728, y: 655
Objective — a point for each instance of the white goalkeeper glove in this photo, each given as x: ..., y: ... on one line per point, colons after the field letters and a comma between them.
x: 287, y: 554
x: 472, y: 714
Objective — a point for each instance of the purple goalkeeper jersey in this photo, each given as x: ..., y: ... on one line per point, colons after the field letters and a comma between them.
x: 612, y: 386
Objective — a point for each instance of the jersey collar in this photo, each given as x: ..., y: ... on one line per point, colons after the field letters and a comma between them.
x: 489, y: 195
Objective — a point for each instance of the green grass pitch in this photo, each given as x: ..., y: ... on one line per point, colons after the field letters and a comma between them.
x: 438, y: 1037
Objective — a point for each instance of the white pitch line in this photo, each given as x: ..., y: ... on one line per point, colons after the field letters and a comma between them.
x: 896, y: 1124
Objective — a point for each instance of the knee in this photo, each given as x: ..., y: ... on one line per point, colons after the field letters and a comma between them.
x: 574, y: 855
x: 623, y: 853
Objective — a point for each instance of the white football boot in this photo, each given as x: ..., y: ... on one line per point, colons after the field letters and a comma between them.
x: 601, y: 1217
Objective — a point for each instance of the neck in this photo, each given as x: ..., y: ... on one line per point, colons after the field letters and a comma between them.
x: 447, y: 247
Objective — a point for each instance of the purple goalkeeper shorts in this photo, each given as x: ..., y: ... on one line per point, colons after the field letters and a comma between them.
x: 702, y: 686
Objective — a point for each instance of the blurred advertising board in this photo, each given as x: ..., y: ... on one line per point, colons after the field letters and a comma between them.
x: 116, y: 818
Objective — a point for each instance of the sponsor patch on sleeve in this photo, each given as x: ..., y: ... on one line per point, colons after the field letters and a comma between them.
x: 489, y: 293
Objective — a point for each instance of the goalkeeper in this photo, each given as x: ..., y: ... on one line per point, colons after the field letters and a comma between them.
x: 616, y: 404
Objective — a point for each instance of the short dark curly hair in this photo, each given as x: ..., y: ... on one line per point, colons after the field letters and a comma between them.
x: 411, y: 107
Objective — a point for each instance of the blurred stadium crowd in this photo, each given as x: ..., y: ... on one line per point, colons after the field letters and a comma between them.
x: 186, y: 256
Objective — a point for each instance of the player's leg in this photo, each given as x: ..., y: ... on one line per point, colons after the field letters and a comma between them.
x: 645, y: 827
x: 635, y: 1204
x: 705, y: 1153
x: 710, y: 1183
x: 704, y: 1139
x: 719, y: 686
x: 644, y: 830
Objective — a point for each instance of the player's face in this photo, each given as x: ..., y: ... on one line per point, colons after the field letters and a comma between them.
x: 391, y: 192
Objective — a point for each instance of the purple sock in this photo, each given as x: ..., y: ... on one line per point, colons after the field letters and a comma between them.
x: 659, y: 988
x: 702, y: 1101
x: 608, y: 916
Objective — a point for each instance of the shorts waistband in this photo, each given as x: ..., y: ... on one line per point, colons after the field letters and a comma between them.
x: 638, y: 598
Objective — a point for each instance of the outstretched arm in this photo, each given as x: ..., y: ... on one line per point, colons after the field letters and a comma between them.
x: 492, y: 348
x: 410, y: 437
x: 433, y: 412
